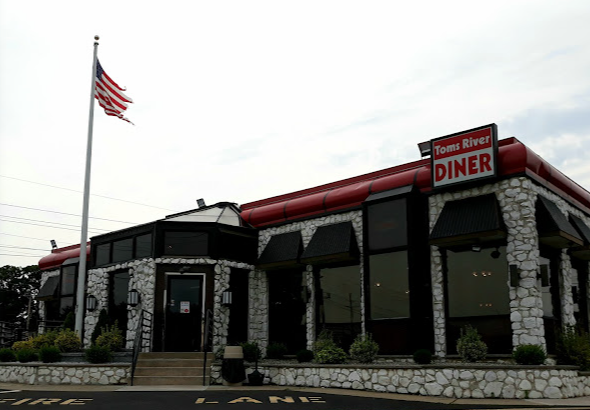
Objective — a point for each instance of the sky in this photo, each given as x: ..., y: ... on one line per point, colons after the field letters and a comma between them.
x: 244, y: 100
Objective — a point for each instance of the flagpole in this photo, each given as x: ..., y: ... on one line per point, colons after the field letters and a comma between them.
x: 84, y: 230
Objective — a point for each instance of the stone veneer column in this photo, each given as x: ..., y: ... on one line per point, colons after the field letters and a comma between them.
x: 517, y: 201
x: 565, y: 289
x: 221, y: 322
x: 438, y: 303
x: 143, y: 279
x: 310, y: 324
x: 258, y: 308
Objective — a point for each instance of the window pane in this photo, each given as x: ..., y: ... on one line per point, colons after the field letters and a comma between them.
x: 477, y: 284
x: 66, y: 306
x: 119, y: 287
x: 340, y: 303
x: 390, y: 291
x: 103, y: 254
x: 68, y: 280
x: 143, y: 246
x: 544, y: 282
x: 387, y: 225
x: 185, y: 243
x: 123, y: 250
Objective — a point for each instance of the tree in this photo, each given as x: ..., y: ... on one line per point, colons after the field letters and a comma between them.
x: 18, y: 288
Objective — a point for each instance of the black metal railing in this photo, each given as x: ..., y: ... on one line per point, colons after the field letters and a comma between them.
x: 11, y: 332
x: 143, y: 338
x: 207, y: 341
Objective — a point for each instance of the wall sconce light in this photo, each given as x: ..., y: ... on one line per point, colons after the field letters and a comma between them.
x: 90, y: 303
x: 226, y: 298
x: 133, y: 298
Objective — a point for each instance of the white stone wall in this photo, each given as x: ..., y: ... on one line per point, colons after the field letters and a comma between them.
x: 258, y: 308
x: 453, y: 382
x: 42, y: 312
x: 102, y: 374
x: 221, y: 317
x: 307, y: 228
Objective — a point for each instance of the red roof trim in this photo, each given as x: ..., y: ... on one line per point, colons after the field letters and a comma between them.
x: 60, y: 255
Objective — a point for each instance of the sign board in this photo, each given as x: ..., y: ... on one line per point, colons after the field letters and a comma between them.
x: 185, y: 307
x: 464, y: 156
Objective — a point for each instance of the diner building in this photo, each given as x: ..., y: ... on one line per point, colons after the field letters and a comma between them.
x: 477, y: 232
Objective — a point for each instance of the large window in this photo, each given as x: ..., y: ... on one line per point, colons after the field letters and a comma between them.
x: 103, y: 254
x: 387, y: 225
x: 182, y: 243
x: 118, y: 290
x: 339, y: 302
x: 390, y: 289
x: 287, y: 319
x: 123, y: 250
x: 143, y: 246
x: 478, y: 295
x: 67, y: 290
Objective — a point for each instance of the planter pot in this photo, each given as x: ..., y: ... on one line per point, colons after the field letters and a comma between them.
x: 255, y: 378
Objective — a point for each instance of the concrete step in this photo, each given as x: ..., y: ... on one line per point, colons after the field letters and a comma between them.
x: 169, y: 381
x: 171, y: 363
x: 175, y: 355
x: 170, y: 371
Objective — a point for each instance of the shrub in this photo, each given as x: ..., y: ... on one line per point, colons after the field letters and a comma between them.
x: 111, y: 337
x: 98, y: 354
x: 529, y: 354
x: 470, y: 346
x: 68, y: 341
x: 23, y: 344
x: 423, y: 356
x: 44, y: 339
x: 364, y: 349
x: 252, y: 352
x: 573, y: 347
x: 26, y: 355
x: 7, y: 355
x: 70, y: 321
x: 324, y: 340
x: 49, y: 354
x: 304, y: 356
x: 103, y: 321
x: 331, y: 355
x: 276, y: 350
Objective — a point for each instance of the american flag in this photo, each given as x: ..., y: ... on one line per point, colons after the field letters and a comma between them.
x: 109, y: 95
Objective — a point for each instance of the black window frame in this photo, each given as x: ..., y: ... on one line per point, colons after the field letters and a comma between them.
x: 62, y: 296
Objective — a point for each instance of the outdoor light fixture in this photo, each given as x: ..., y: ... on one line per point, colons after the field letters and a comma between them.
x: 133, y: 298
x: 90, y: 303
x: 226, y: 298
x: 53, y: 244
x: 200, y: 202
x: 476, y: 248
x: 424, y: 148
x: 495, y: 254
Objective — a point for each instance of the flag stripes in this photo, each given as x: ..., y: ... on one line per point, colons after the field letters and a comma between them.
x: 109, y: 95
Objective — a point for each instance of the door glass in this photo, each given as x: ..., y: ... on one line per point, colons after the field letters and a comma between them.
x: 183, y: 314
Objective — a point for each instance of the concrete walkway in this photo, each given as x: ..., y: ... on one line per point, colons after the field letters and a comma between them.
x: 557, y: 403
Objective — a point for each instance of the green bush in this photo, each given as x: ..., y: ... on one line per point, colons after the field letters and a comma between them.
x: 422, y: 356
x: 49, y: 354
x: 70, y: 321
x: 98, y: 354
x: 324, y: 340
x: 364, y: 349
x: 330, y: 355
x: 23, y: 344
x: 529, y: 354
x: 470, y: 346
x: 276, y: 350
x: 304, y: 356
x: 26, y: 355
x: 111, y: 337
x: 103, y: 321
x: 252, y: 352
x: 44, y: 339
x: 573, y: 348
x: 7, y: 355
x: 68, y: 341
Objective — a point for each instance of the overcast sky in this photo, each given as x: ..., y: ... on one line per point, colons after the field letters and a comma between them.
x: 243, y: 100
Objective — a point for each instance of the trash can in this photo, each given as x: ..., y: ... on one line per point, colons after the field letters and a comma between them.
x: 232, y: 366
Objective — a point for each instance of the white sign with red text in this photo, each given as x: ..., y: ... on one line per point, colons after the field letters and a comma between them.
x: 464, y: 157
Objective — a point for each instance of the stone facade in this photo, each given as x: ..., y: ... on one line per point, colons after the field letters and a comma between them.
x: 458, y: 381
x: 59, y: 373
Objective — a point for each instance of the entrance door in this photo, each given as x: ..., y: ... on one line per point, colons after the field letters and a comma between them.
x: 183, y: 313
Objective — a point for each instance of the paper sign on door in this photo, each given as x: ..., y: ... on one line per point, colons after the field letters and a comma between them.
x: 185, y: 307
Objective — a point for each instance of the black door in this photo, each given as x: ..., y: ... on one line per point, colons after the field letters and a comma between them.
x: 183, y: 313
